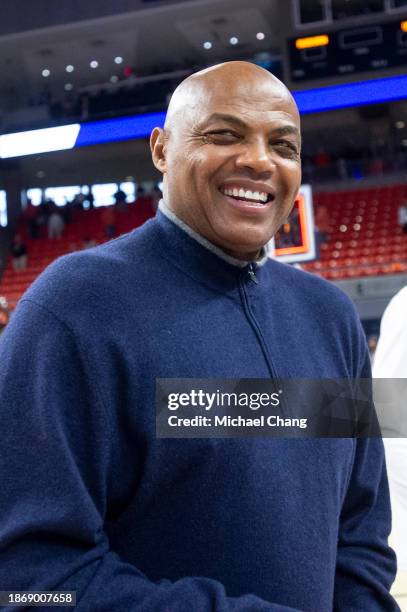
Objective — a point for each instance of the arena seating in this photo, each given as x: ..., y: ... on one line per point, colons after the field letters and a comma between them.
x: 364, y: 237
x: 84, y: 225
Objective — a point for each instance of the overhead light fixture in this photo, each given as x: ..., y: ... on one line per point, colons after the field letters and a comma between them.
x: 233, y: 40
x: 260, y: 36
x: 400, y: 125
x: 39, y: 141
x: 118, y: 60
x: 69, y: 68
x: 46, y: 72
x: 94, y: 64
x: 114, y: 78
x: 68, y: 86
x: 207, y: 45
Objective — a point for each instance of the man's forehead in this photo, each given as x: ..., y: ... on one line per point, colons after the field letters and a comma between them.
x: 234, y: 87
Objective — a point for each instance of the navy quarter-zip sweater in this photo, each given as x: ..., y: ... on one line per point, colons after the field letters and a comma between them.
x: 92, y: 501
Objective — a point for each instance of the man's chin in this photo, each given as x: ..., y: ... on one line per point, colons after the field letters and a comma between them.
x: 246, y: 251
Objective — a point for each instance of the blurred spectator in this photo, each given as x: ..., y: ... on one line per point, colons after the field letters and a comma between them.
x: 30, y: 216
x: 56, y: 225
x: 43, y: 214
x: 108, y: 218
x: 88, y: 242
x: 90, y: 199
x: 4, y: 313
x: 402, y: 214
x: 120, y: 197
x: 18, y: 252
x: 391, y: 362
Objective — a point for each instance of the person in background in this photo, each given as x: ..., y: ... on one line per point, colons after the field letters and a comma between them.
x: 30, y: 215
x: 88, y: 242
x: 108, y: 218
x: 402, y: 216
x: 391, y: 362
x: 18, y: 252
x: 56, y: 224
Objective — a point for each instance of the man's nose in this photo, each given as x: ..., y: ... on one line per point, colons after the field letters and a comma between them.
x: 257, y: 156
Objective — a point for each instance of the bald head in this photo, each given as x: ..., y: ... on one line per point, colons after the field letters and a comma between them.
x: 229, y: 79
x: 230, y: 155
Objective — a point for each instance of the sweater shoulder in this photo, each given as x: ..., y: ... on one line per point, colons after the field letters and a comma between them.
x: 312, y: 289
x: 96, y: 275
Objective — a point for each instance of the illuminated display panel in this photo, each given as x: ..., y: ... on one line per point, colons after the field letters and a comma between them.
x: 295, y: 240
x: 352, y: 50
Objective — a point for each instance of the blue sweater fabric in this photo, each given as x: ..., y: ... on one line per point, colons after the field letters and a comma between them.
x: 92, y: 501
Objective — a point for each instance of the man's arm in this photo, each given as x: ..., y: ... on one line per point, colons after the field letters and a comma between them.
x: 366, y: 565
x: 56, y: 461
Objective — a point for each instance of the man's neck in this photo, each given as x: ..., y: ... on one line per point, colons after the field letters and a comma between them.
x: 260, y: 258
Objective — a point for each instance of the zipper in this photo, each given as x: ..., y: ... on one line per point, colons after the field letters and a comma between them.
x: 252, y: 273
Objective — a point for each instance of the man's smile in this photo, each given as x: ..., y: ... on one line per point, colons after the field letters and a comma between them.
x: 253, y: 199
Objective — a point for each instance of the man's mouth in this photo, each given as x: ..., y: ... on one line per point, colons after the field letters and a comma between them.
x: 257, y: 199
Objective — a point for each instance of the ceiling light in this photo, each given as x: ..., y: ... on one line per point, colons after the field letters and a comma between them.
x: 400, y: 125
x: 260, y: 36
x: 68, y: 86
x: 69, y: 68
x: 118, y: 60
x: 207, y: 45
x: 234, y: 40
x: 46, y: 72
x: 114, y: 78
x: 94, y: 64
x: 39, y: 141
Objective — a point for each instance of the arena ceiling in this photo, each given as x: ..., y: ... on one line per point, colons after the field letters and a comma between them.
x: 164, y: 37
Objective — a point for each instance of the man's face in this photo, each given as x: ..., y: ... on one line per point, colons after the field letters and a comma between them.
x: 231, y: 162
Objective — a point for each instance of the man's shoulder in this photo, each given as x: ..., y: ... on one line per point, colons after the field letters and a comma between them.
x: 95, y: 275
x: 308, y: 288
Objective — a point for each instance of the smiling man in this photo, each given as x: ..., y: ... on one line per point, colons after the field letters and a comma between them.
x: 232, y: 144
x: 92, y: 500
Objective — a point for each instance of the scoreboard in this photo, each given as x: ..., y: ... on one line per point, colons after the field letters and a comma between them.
x: 348, y: 51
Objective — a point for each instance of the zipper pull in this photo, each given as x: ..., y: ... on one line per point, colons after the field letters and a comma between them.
x: 252, y: 274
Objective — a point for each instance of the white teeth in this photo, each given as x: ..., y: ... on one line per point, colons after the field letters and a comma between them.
x: 255, y: 196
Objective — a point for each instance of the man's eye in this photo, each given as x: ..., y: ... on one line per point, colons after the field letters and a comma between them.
x: 226, y: 134
x: 291, y: 147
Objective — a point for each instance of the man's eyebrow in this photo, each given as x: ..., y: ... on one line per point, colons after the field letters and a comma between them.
x: 284, y: 130
x: 227, y: 118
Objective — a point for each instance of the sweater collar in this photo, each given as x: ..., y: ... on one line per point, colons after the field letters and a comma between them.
x: 197, y: 256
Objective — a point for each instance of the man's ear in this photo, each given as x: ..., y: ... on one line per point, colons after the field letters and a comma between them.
x: 158, y: 146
